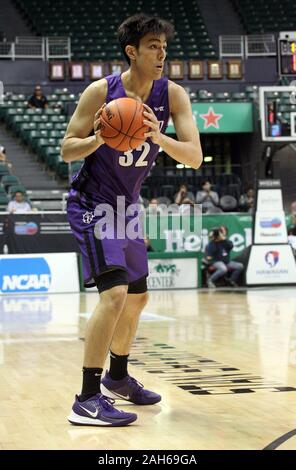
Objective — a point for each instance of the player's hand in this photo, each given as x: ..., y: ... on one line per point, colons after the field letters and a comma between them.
x: 97, y: 125
x: 151, y: 121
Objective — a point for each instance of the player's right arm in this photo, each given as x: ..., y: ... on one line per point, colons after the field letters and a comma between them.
x: 77, y: 143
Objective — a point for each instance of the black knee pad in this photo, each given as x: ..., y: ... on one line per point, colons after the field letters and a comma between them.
x: 138, y: 287
x: 109, y: 279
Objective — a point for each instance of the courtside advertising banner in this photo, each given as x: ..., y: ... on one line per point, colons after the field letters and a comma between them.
x: 271, y: 264
x: 39, y: 273
x: 174, y: 273
x: 270, y: 227
x: 270, y: 200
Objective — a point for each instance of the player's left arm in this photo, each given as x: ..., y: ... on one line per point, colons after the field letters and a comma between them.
x: 187, y: 148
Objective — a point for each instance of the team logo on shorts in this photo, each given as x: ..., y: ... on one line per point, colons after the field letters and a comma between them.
x: 87, y: 217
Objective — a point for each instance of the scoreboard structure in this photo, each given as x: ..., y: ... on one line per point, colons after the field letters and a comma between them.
x: 277, y: 105
x: 287, y: 53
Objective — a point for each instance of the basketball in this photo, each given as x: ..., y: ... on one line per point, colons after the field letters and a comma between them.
x: 122, y: 125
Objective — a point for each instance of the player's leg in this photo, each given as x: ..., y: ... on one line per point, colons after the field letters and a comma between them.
x: 117, y: 383
x: 127, y: 324
x: 91, y: 407
x: 137, y: 297
x: 100, y: 327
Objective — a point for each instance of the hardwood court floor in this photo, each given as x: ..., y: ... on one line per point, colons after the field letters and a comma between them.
x: 224, y: 363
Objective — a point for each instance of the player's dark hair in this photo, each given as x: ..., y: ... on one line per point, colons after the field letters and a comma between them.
x: 134, y: 28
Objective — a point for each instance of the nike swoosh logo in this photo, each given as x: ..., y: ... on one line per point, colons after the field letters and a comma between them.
x: 91, y: 413
x: 125, y: 397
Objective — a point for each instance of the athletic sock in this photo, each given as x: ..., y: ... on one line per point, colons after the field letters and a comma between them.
x: 118, y: 366
x: 91, y: 382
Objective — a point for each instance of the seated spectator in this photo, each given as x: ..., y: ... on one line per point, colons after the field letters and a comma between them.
x: 182, y: 194
x: 148, y: 244
x: 292, y: 238
x: 154, y: 208
x: 38, y: 100
x: 2, y: 154
x: 3, y: 158
x: 206, y: 197
x: 186, y: 207
x: 246, y: 201
x: 293, y: 214
x: 218, y: 255
x: 18, y: 205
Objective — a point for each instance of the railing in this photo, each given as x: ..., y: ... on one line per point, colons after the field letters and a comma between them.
x: 255, y: 45
x: 7, y: 50
x: 58, y: 48
x: 231, y: 46
x: 260, y: 45
x: 31, y: 47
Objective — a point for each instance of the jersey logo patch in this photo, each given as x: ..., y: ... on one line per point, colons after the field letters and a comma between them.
x: 160, y: 108
x: 87, y: 217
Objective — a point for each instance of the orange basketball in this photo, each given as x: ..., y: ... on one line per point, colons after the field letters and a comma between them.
x: 122, y: 125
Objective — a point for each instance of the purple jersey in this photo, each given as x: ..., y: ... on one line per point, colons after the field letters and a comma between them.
x: 109, y: 173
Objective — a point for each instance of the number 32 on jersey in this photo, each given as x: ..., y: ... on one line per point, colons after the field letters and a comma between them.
x: 127, y: 159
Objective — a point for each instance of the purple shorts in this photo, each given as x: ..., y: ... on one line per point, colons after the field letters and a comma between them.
x: 104, y: 255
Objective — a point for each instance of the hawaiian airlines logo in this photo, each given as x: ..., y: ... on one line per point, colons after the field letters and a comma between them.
x: 87, y: 217
x: 211, y: 119
x: 270, y: 223
x: 272, y: 258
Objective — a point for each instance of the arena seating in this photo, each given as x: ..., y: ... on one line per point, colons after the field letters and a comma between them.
x: 94, y: 38
x: 43, y: 130
x: 260, y: 16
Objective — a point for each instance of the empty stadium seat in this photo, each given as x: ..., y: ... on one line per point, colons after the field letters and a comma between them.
x: 94, y: 38
x: 259, y: 16
x: 9, y: 180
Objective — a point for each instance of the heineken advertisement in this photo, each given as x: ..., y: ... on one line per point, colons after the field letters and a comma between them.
x: 171, y: 238
x: 194, y: 236
x: 221, y: 117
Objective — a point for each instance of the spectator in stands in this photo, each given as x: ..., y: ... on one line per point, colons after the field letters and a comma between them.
x: 154, y: 208
x: 218, y: 255
x: 3, y: 158
x: 187, y: 207
x: 2, y: 153
x: 18, y: 205
x: 246, y: 202
x: 148, y: 244
x: 206, y: 197
x: 38, y: 100
x: 293, y: 214
x: 183, y: 194
x: 292, y: 238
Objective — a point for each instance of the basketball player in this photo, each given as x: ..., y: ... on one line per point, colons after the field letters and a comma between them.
x: 119, y: 267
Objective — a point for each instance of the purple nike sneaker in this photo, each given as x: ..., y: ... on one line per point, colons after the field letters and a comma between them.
x: 99, y: 411
x: 128, y: 389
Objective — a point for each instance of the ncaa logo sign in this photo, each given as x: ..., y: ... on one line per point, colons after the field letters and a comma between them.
x: 24, y: 275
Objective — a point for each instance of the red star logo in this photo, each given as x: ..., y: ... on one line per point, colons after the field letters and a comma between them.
x: 211, y: 118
